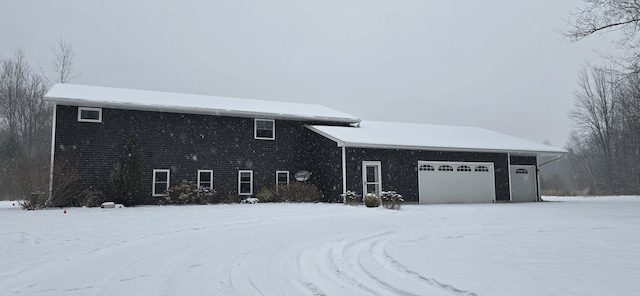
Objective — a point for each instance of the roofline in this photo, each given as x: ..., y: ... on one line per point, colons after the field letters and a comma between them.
x: 341, y: 143
x: 194, y: 110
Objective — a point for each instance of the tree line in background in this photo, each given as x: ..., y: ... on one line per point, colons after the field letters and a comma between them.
x: 25, y: 122
x: 604, y: 147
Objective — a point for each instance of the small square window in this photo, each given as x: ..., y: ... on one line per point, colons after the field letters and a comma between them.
x: 265, y: 129
x: 86, y: 114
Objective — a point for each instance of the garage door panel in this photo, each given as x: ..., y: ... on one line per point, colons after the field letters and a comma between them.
x: 456, y: 182
x: 523, y: 183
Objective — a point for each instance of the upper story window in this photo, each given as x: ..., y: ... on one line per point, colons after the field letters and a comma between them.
x: 87, y: 114
x: 265, y: 129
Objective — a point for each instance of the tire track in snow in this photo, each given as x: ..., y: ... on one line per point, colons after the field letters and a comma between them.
x: 383, y: 256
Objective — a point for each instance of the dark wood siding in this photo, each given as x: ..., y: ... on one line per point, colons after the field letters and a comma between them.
x: 400, y: 172
x: 183, y: 143
x: 524, y: 160
x: 325, y: 163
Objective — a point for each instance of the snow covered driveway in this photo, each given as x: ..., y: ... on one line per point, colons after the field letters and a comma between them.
x: 575, y: 247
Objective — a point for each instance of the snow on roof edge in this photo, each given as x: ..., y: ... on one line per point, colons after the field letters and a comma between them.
x: 120, y: 98
x: 343, y: 142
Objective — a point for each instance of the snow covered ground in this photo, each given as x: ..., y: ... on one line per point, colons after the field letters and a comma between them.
x: 580, y: 246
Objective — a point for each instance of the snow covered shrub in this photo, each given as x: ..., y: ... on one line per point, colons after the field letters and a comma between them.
x: 266, y: 195
x: 371, y: 200
x: 92, y: 198
x: 231, y: 198
x: 298, y: 192
x: 187, y: 193
x: 35, y: 202
x: 391, y: 200
x: 351, y: 198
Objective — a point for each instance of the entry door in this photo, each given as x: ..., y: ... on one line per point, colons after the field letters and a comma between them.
x: 371, y: 177
x: 524, y: 187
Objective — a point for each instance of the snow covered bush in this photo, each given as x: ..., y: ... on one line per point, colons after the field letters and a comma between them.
x: 230, y: 198
x: 351, y: 198
x: 298, y: 192
x: 371, y: 200
x: 92, y: 198
x: 35, y: 202
x: 267, y: 194
x: 187, y: 193
x: 391, y: 200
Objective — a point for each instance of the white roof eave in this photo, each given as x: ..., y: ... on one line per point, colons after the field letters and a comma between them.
x: 553, y: 152
x: 450, y: 149
x: 194, y: 110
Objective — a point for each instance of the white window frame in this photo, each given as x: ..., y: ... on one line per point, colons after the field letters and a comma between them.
x: 210, y: 172
x: 282, y: 172
x: 240, y: 172
x: 80, y: 119
x: 255, y: 129
x: 377, y: 164
x: 154, y: 191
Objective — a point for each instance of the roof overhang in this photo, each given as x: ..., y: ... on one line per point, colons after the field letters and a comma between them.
x: 130, y: 99
x: 543, y: 156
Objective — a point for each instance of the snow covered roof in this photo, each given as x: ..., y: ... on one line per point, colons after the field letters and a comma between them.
x: 375, y: 134
x: 119, y: 98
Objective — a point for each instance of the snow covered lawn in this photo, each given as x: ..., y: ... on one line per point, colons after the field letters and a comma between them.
x: 580, y: 246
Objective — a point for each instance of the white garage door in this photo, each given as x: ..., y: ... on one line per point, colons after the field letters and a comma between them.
x: 524, y: 187
x: 456, y: 182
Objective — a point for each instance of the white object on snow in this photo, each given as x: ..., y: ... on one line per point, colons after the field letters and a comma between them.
x: 108, y: 205
x: 250, y: 200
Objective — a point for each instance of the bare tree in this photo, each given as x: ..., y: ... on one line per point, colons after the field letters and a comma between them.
x: 63, y: 62
x: 595, y: 107
x: 605, y: 16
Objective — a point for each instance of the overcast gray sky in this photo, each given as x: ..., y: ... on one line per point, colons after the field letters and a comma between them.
x: 497, y: 64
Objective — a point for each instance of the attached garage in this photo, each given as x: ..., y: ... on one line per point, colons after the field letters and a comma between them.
x: 433, y: 164
x: 455, y: 182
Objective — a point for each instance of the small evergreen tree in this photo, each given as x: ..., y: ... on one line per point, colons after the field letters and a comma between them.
x: 126, y: 178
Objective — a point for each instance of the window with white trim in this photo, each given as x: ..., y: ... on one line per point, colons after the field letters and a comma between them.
x: 245, y: 182
x: 87, y: 114
x: 282, y: 178
x: 264, y: 129
x: 160, y: 181
x: 205, y: 179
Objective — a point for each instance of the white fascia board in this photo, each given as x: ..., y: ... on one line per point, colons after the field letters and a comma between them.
x: 193, y: 110
x: 449, y: 149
